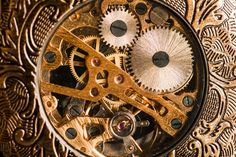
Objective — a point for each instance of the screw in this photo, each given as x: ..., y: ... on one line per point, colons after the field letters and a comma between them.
x: 75, y: 111
x: 50, y: 57
x: 94, y: 92
x: 118, y: 28
x: 141, y: 8
x: 161, y: 59
x: 176, y: 123
x: 96, y: 62
x: 188, y: 101
x: 94, y: 12
x: 119, y: 79
x: 94, y: 131
x: 131, y: 148
x: 71, y: 133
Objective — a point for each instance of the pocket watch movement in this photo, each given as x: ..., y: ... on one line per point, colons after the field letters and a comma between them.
x: 117, y: 78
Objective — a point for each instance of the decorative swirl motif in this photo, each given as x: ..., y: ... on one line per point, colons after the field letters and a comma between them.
x: 219, y: 42
x: 214, y: 135
x: 214, y: 18
x: 179, y: 5
x: 230, y: 114
x: 21, y: 126
x: 206, y: 134
x: 227, y: 141
x: 188, y: 148
x: 17, y: 95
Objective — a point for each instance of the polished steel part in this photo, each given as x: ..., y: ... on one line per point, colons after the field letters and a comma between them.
x: 36, y: 123
x: 119, y: 27
x: 160, y: 55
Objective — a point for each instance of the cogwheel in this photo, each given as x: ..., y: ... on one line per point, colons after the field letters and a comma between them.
x: 119, y: 28
x: 77, y: 61
x: 117, y: 58
x: 161, y: 60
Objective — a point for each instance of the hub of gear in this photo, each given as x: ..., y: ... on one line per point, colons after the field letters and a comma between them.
x: 160, y: 55
x: 119, y: 27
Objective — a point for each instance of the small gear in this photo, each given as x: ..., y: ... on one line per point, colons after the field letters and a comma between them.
x: 77, y: 60
x: 117, y: 58
x: 80, y: 72
x: 119, y: 28
x: 161, y: 60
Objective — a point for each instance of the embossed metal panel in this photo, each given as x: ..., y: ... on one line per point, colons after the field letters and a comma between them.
x: 118, y: 78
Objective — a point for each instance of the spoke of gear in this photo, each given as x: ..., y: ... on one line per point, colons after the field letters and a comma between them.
x: 77, y: 60
x: 119, y: 28
x: 161, y: 60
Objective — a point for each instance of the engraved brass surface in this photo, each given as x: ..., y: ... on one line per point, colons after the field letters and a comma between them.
x: 36, y: 37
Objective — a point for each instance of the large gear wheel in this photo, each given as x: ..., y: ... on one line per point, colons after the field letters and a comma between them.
x: 119, y: 28
x: 160, y: 55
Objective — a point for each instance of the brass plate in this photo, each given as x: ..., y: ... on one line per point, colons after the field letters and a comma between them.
x: 24, y: 26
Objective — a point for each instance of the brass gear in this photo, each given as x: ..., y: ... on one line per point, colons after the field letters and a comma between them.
x: 119, y: 27
x: 161, y: 60
x: 117, y: 57
x: 82, y: 77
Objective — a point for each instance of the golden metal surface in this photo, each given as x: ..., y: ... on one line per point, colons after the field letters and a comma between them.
x: 25, y: 79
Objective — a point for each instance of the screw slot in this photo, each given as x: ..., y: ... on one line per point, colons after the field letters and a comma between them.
x: 119, y: 28
x: 176, y: 123
x: 188, y: 101
x: 141, y: 8
x: 75, y: 111
x: 71, y: 133
x: 50, y: 57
